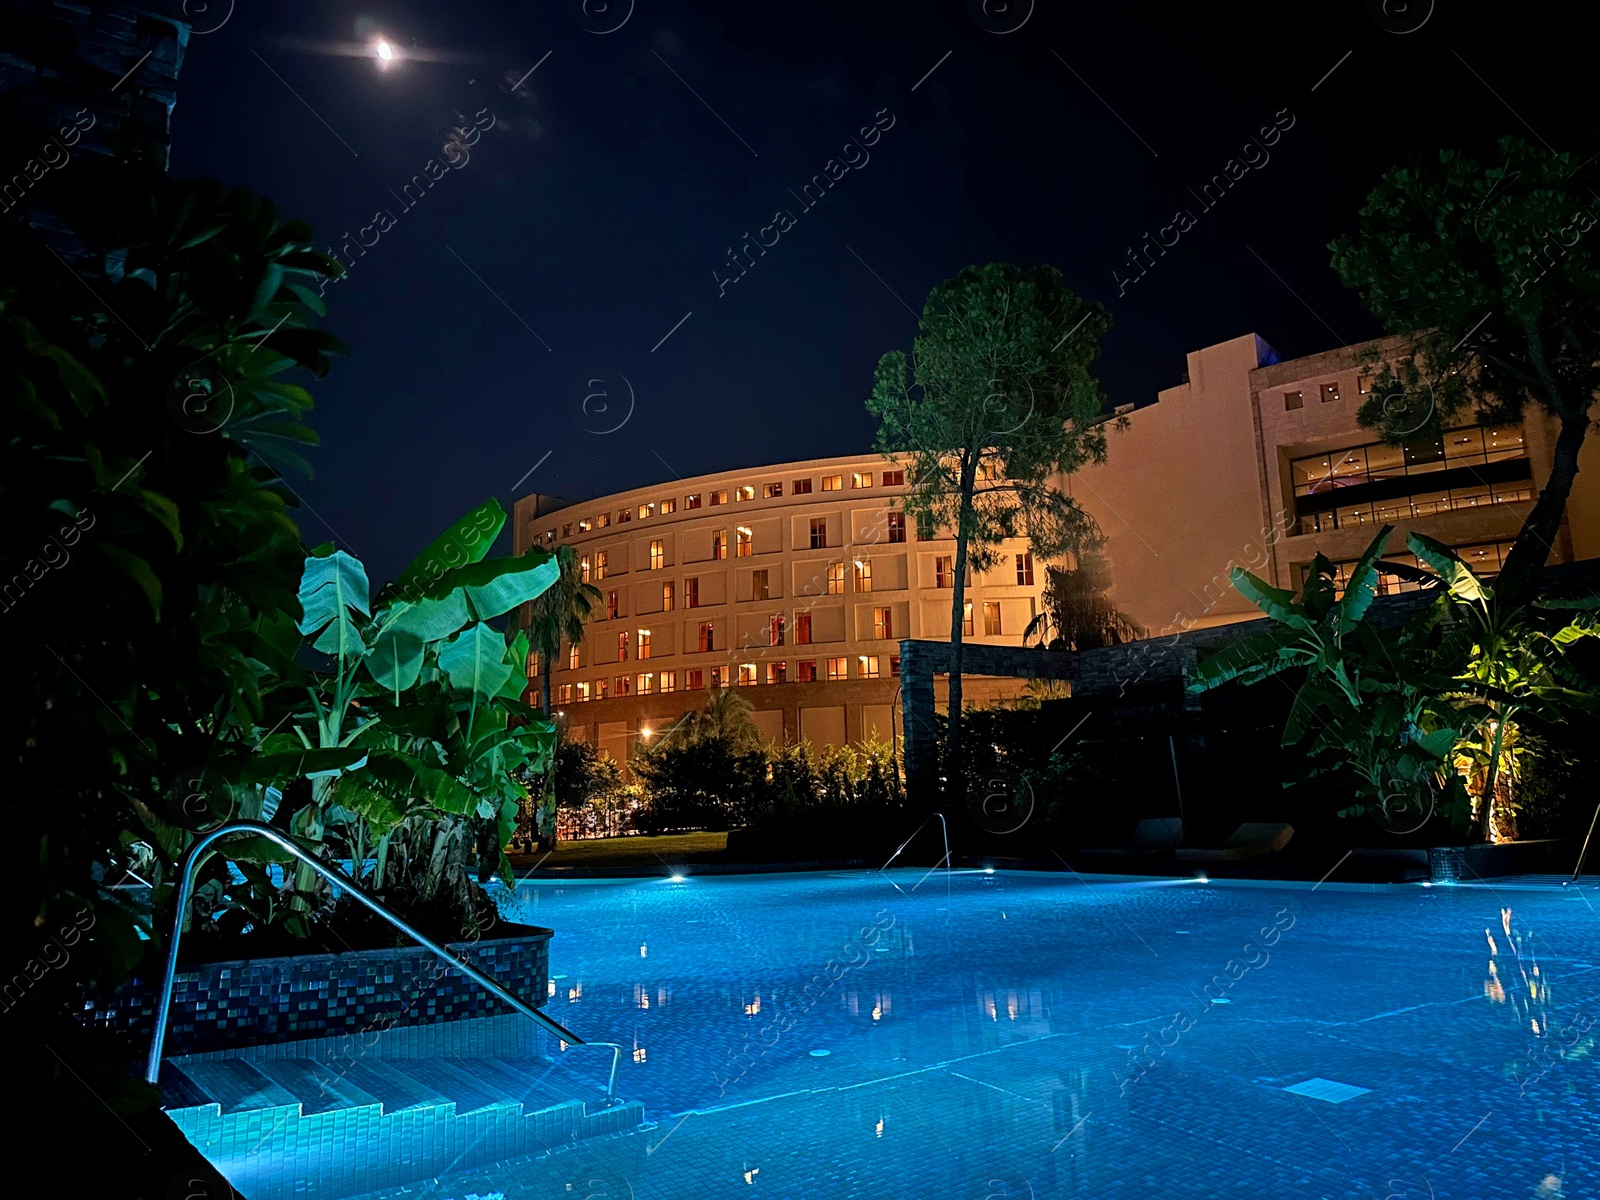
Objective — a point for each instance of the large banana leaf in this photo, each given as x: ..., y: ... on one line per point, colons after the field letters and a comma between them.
x: 1275, y: 602
x: 396, y: 660
x: 405, y: 774
x: 1363, y: 583
x: 475, y: 661
x: 493, y: 588
x: 1457, y: 576
x: 466, y: 541
x: 333, y: 586
x: 430, y: 620
x: 1254, y: 658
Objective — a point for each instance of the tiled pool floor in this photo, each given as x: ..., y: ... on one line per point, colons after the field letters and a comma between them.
x: 990, y: 1049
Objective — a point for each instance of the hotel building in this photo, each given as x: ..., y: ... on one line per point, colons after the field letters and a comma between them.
x: 797, y: 582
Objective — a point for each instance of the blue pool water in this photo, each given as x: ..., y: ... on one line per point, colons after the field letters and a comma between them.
x: 1015, y: 1035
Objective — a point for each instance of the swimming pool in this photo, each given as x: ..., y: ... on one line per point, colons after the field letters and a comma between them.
x: 1014, y: 1035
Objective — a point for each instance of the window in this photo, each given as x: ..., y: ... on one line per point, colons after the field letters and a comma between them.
x: 807, y: 671
x: 533, y: 666
x: 719, y: 543
x: 894, y: 479
x: 622, y: 646
x: 719, y: 497
x: 835, y: 579
x: 747, y: 674
x: 1330, y: 392
x: 991, y: 618
x: 897, y: 527
x: 758, y: 585
x: 624, y: 685
x: 966, y: 619
x: 601, y: 559
x: 861, y: 479
x: 819, y: 533
x: 775, y: 624
x: 744, y: 542
x: 602, y: 520
x: 716, y: 677
x: 669, y: 681
x: 832, y: 483
x: 867, y: 666
x: 772, y: 491
x: 658, y: 554
x: 625, y: 514
x: 646, y: 511
x: 741, y: 494
x: 691, y: 593
x: 668, y: 506
x: 584, y: 525
x: 566, y: 530
x: 802, y: 487
x: 1363, y: 384
x: 925, y: 530
x: 1025, y: 569
x: 944, y: 572
x: 647, y: 683
x: 694, y: 680
x: 838, y: 668
x: 585, y: 568
x: 802, y: 629
x: 863, y: 568
x: 1293, y: 400
x: 883, y: 624
x: 666, y: 597
x: 599, y: 689
x: 644, y: 643
x: 692, y: 501
x: 613, y: 606
x: 708, y: 637
x: 894, y: 666
x: 564, y: 693
x: 572, y: 657
x: 777, y: 672
x: 583, y: 692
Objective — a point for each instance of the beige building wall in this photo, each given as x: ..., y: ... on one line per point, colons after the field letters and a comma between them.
x: 828, y: 562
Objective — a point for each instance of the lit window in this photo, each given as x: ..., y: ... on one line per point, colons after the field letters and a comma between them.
x: 716, y: 677
x: 772, y: 491
x: 894, y: 666
x: 832, y: 483
x: 777, y: 672
x: 719, y: 543
x: 819, y: 533
x: 836, y: 579
x: 666, y: 597
x: 1025, y: 569
x: 583, y: 525
x: 719, y: 497
x: 613, y: 606
x: 583, y: 691
x: 775, y: 626
x: 647, y: 510
x: 600, y: 560
x: 944, y: 572
x: 624, y: 685
x: 741, y: 494
x: 692, y: 501
x: 991, y: 618
x: 744, y: 542
x: 584, y: 568
x: 1363, y: 384
x: 802, y: 487
x: 564, y: 693
x: 807, y: 671
x: 758, y: 585
x: 691, y: 593
x: 897, y: 527
x: 644, y: 643
x: 861, y: 479
x: 966, y: 619
x: 708, y: 637
x: 599, y: 689
x: 1330, y: 392
x: 622, y: 646
x: 694, y: 680
x: 1293, y: 400
x: 647, y: 683
x: 838, y: 668
x: 625, y: 514
x: 894, y: 479
x: 602, y: 520
x: 863, y: 575
x: 867, y: 666
x: 658, y: 554
x: 882, y: 623
x: 549, y: 537
x: 802, y: 629
x: 747, y: 674
x: 572, y: 657
x: 668, y: 506
x: 669, y: 681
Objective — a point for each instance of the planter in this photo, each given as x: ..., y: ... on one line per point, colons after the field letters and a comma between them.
x: 1452, y: 864
x: 250, y: 1002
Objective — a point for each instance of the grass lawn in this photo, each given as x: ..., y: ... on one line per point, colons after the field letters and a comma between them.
x: 645, y: 853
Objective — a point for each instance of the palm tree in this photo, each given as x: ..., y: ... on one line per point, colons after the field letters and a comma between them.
x: 559, y: 612
x: 729, y: 716
x: 1078, y: 615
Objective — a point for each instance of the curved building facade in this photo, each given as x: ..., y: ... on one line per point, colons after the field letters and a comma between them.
x: 795, y: 583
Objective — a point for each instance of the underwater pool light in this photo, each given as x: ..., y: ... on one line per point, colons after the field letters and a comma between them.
x: 676, y: 878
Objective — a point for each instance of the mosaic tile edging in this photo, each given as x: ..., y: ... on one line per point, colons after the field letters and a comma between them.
x: 247, y: 1002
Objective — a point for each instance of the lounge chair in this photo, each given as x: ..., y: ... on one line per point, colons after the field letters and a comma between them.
x: 1153, y: 835
x: 1251, y: 840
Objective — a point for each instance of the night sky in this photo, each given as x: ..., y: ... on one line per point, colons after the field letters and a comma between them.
x: 601, y: 206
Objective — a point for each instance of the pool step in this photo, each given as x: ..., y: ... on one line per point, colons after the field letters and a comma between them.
x: 279, y: 1128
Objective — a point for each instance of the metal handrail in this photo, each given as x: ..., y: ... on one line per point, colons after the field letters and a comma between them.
x: 946, y: 863
x: 1584, y: 853
x: 337, y: 879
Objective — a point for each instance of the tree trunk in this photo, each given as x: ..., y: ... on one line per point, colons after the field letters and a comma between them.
x: 1485, y: 824
x: 1538, y: 534
x: 958, y: 596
